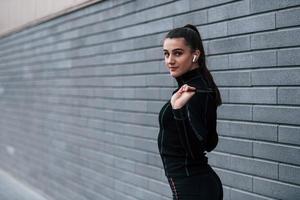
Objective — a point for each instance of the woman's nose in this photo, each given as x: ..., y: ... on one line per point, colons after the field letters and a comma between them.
x: 170, y: 60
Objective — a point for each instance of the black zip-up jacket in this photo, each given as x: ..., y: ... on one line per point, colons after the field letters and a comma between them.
x: 187, y: 132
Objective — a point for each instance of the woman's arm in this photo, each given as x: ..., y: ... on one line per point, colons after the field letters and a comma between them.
x: 195, y: 121
x: 190, y: 121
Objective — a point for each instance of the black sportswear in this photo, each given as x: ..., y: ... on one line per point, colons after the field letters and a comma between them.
x: 187, y: 132
x: 184, y: 136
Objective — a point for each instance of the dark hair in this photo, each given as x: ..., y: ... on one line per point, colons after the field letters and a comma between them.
x: 193, y: 40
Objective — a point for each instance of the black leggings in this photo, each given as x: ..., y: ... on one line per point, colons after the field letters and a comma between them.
x: 207, y: 186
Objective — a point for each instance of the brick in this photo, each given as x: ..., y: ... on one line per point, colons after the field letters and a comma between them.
x: 253, y: 95
x: 213, y: 30
x: 113, y: 92
x: 155, y: 160
x: 234, y: 179
x: 240, y: 194
x: 166, y: 93
x: 146, y: 145
x: 205, y: 46
x: 232, y: 78
x: 239, y: 112
x: 133, y: 31
x: 239, y: 60
x: 276, y: 152
x: 244, y: 165
x: 159, y: 80
x: 258, y: 6
x: 137, y: 118
x: 124, y: 164
x: 282, y: 38
x: 247, y: 130
x: 275, y: 189
x: 147, y: 171
x: 288, y: 57
x: 196, y: 18
x: 195, y: 4
x: 287, y: 76
x: 288, y: 95
x: 143, y: 29
x: 154, y: 106
x: 259, y: 58
x: 120, y: 140
x: 132, y: 179
x: 143, y: 5
x: 254, y: 166
x: 278, y: 114
x: 228, y: 45
x: 130, y: 154
x: 204, y: 4
x: 140, y: 42
x: 162, y: 67
x: 219, y: 159
x: 143, y: 93
x: 159, y: 187
x: 164, y: 10
x: 218, y: 62
x: 290, y: 17
x: 116, y: 11
x: 123, y: 57
x: 253, y: 24
x: 226, y: 193
x: 131, y: 129
x: 228, y: 11
x: 126, y: 188
x: 289, y: 173
x: 129, y: 81
x: 95, y: 155
x: 96, y: 8
x: 235, y: 146
x: 289, y: 134
x: 137, y: 106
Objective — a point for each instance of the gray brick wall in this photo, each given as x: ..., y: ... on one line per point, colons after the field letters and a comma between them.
x: 80, y: 96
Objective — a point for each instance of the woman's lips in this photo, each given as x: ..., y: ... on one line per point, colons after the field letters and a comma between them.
x: 173, y: 68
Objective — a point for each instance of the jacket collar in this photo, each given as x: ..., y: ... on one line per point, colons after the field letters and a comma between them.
x: 186, y: 77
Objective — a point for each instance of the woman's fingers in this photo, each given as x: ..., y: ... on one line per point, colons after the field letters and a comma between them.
x: 187, y: 88
x: 180, y: 91
x: 182, y: 96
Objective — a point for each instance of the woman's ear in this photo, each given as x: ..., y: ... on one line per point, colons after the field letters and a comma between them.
x: 196, y: 55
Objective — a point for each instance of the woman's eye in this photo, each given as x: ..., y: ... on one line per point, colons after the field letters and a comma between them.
x: 177, y: 53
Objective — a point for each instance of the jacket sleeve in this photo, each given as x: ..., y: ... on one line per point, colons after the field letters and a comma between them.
x: 194, y: 122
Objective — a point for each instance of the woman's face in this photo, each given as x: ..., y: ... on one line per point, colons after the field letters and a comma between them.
x: 178, y: 56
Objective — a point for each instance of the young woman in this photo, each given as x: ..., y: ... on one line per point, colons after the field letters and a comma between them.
x: 188, y: 120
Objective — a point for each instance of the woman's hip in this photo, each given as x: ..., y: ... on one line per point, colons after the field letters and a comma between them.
x: 206, y: 186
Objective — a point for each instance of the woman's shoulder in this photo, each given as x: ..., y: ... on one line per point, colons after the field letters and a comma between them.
x: 203, y: 91
x: 198, y: 82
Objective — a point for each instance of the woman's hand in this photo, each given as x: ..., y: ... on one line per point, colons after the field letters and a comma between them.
x: 181, y: 97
